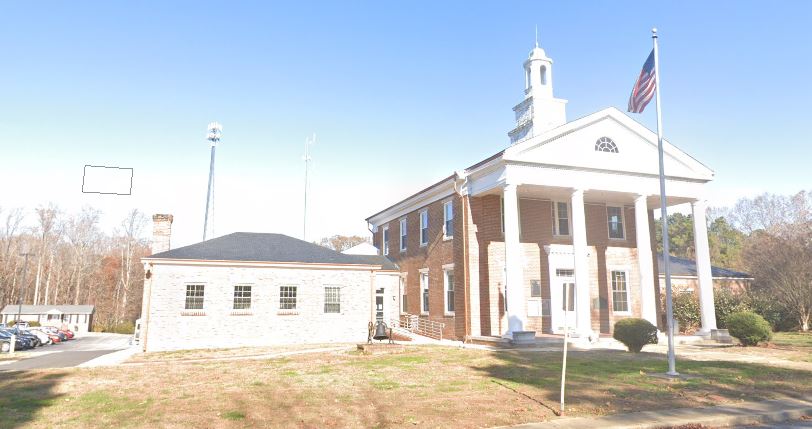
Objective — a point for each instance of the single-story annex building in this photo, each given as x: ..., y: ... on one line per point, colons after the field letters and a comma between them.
x: 78, y: 318
x: 258, y: 289
x: 684, y: 277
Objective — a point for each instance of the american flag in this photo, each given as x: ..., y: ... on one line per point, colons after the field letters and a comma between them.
x: 643, y: 90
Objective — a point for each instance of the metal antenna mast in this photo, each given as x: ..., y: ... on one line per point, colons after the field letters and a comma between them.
x: 215, y: 131
x: 308, y: 142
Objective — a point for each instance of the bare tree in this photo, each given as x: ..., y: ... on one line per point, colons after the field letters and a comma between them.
x: 81, y: 231
x: 132, y: 228
x: 47, y: 219
x: 782, y: 269
x: 340, y: 243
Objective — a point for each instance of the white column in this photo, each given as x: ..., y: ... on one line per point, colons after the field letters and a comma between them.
x: 583, y: 312
x: 514, y: 284
x: 707, y: 308
x: 648, y: 302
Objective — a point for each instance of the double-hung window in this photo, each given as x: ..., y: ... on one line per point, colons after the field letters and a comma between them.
x: 194, y: 297
x: 386, y: 240
x: 242, y: 297
x: 332, y: 299
x: 614, y: 217
x: 287, y: 297
x: 403, y: 235
x: 448, y: 289
x: 620, y: 292
x: 424, y: 227
x: 561, y: 218
x: 448, y: 219
x: 424, y: 291
x: 404, y: 295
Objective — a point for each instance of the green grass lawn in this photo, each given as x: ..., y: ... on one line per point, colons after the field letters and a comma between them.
x: 793, y: 339
x: 423, y: 387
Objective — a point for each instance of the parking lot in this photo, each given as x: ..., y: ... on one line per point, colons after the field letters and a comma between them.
x: 83, y: 348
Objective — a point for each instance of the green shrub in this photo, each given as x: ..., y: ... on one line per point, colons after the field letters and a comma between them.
x: 727, y: 302
x: 33, y: 324
x: 777, y: 315
x: 686, y: 311
x: 635, y: 333
x: 748, y: 327
x: 120, y: 328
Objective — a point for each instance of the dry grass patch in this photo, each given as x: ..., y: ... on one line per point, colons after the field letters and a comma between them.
x: 424, y: 387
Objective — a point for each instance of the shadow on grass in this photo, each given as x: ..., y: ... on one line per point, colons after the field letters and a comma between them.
x: 26, y: 393
x: 608, y: 382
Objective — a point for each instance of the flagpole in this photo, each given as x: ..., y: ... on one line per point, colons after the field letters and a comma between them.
x: 669, y: 309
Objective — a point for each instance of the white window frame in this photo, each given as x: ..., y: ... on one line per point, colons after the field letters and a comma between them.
x: 294, y: 298
x: 622, y: 223
x: 627, y: 279
x: 502, y: 213
x: 424, y: 238
x: 556, y: 227
x: 250, y: 296
x: 446, y: 206
x: 186, y: 297
x: 337, y: 295
x: 385, y: 239
x: 448, y: 268
x: 403, y: 290
x: 424, y: 289
x: 404, y: 231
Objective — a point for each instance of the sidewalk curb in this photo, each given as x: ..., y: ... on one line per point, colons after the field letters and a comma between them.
x: 773, y: 411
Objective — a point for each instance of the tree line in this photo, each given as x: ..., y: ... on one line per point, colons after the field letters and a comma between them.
x: 72, y: 261
x: 769, y: 237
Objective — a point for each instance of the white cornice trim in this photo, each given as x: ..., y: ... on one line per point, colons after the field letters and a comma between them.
x: 420, y: 200
x: 262, y: 264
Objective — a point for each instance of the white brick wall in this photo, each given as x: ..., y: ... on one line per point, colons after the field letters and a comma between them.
x: 169, y: 329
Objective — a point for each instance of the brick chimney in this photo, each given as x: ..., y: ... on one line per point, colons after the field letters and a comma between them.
x: 161, y: 232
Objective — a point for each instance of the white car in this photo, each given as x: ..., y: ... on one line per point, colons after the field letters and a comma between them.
x: 43, y: 337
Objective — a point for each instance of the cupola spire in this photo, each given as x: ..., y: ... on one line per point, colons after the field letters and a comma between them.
x: 540, y: 110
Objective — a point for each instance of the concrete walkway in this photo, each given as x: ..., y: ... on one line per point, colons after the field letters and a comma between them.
x: 744, y: 413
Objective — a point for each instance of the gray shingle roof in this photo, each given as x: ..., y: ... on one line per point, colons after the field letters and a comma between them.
x: 264, y: 247
x: 687, y: 267
x: 42, y: 309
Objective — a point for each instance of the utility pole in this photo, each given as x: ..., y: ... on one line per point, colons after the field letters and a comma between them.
x: 307, y: 159
x: 215, y: 131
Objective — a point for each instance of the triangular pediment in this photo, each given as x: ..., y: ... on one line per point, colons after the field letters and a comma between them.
x: 573, y: 146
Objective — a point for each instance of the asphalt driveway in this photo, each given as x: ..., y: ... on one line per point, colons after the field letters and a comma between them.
x: 71, y: 353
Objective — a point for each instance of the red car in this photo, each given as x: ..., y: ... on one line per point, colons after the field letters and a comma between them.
x: 67, y: 332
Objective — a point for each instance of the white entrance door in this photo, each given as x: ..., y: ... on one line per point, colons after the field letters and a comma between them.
x: 561, y: 292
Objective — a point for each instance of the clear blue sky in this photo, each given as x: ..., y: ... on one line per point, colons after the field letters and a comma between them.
x: 399, y: 94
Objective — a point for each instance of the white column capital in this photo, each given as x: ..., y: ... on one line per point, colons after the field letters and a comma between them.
x: 638, y: 197
x: 577, y: 193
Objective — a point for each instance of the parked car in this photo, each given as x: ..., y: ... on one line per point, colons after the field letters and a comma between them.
x: 50, y: 329
x: 35, y: 341
x: 43, y: 337
x: 53, y: 337
x: 21, y: 343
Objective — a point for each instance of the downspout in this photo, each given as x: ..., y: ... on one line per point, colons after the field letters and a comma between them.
x: 466, y: 277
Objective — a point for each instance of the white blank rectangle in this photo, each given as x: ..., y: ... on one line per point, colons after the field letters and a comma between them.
x: 107, y: 180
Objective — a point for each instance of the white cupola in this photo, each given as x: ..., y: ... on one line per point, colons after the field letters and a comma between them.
x: 540, y: 111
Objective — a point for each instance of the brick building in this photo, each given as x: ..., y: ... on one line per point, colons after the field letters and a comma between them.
x: 253, y: 289
x: 564, y: 212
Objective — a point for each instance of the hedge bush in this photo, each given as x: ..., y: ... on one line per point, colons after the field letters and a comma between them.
x: 686, y: 311
x: 635, y: 333
x: 33, y: 324
x: 726, y: 303
x: 121, y: 328
x: 748, y: 327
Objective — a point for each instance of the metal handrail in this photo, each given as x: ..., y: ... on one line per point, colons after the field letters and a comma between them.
x: 421, y: 326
